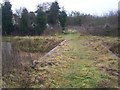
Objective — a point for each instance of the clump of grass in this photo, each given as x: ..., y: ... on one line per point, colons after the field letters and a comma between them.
x: 7, y: 39
x: 69, y: 32
x: 36, y: 44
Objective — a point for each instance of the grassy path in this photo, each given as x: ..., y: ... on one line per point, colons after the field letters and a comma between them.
x: 77, y: 64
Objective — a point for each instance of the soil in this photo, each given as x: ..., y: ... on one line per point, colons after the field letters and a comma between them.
x: 116, y: 49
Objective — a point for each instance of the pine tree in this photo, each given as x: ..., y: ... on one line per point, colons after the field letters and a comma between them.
x: 63, y: 19
x: 41, y: 21
x: 24, y: 22
x: 53, y: 16
x: 7, y: 24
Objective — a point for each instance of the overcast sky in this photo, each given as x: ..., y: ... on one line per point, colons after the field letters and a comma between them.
x: 94, y: 7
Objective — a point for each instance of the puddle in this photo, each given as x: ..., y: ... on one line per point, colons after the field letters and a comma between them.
x: 9, y: 58
x: 6, y: 50
x: 6, y: 56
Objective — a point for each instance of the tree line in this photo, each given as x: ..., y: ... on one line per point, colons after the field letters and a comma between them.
x: 32, y: 23
x: 47, y: 16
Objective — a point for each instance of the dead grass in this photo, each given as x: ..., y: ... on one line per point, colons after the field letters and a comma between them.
x: 81, y: 62
x: 26, y: 50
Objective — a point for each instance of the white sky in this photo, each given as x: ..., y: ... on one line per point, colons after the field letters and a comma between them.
x: 94, y: 7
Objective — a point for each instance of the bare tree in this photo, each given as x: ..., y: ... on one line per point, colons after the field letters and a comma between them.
x: 19, y: 11
x: 45, y: 6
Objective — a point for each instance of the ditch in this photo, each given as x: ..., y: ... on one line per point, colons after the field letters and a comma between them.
x: 18, y: 56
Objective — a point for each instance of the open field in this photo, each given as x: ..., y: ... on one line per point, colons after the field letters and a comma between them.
x: 46, y: 45
x: 81, y: 61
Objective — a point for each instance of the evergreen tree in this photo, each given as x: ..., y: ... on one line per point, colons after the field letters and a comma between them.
x: 41, y: 21
x: 31, y: 20
x: 63, y: 19
x: 53, y: 16
x: 7, y: 24
x: 24, y: 22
